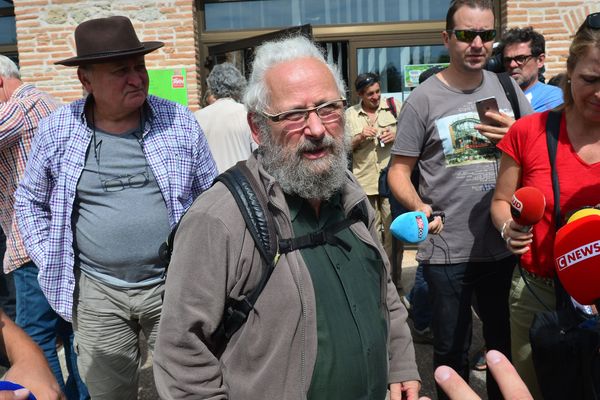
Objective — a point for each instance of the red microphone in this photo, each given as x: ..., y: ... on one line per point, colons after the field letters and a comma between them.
x: 527, y: 206
x: 577, y: 258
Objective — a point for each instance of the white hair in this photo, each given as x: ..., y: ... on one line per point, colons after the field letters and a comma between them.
x: 8, y: 68
x: 269, y: 54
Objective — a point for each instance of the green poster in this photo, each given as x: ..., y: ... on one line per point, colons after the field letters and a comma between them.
x: 170, y: 84
x: 412, y: 73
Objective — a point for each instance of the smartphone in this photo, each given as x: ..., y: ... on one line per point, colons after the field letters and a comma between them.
x: 484, y: 105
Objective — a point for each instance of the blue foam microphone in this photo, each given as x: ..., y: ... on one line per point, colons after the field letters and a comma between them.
x: 410, y: 227
x: 413, y: 226
x: 7, y: 385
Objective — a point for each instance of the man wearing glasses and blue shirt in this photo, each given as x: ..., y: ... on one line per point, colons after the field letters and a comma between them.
x: 440, y: 128
x: 108, y: 176
x: 329, y: 323
x: 523, y: 55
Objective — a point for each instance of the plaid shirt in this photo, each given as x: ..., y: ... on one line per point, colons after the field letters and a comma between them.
x: 19, y: 118
x: 176, y: 151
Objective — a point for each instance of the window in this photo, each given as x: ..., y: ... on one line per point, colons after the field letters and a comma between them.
x: 8, y: 30
x: 240, y: 15
x: 391, y: 64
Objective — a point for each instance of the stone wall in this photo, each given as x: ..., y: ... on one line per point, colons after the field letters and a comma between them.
x: 45, y: 35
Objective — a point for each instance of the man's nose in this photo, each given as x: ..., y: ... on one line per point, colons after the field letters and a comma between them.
x: 477, y: 42
x: 315, y: 126
x: 134, y: 78
x: 510, y: 63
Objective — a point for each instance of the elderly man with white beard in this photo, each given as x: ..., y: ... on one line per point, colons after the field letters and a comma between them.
x: 329, y: 323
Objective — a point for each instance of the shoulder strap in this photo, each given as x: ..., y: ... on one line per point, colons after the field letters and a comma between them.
x: 327, y: 234
x: 509, y: 91
x: 552, y: 129
x: 392, y: 106
x: 252, y: 203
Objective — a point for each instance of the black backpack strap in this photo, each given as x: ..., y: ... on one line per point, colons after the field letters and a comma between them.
x: 327, y: 234
x: 552, y: 129
x: 252, y: 203
x: 392, y: 106
x: 509, y: 90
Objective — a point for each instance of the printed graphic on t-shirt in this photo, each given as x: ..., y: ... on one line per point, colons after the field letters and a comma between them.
x: 462, y: 143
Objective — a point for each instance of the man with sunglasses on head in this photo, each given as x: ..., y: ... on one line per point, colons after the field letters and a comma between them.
x: 107, y: 178
x: 523, y: 54
x: 440, y: 128
x: 329, y: 323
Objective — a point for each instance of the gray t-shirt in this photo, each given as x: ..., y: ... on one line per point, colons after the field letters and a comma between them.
x: 458, y: 166
x: 119, y: 217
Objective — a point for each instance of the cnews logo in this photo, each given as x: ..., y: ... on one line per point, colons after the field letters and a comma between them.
x: 420, y: 226
x: 579, y: 254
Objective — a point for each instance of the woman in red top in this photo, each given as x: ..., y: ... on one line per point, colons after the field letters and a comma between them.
x: 525, y: 162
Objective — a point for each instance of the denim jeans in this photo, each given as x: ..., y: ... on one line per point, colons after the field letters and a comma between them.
x: 452, y: 287
x: 7, y: 285
x: 420, y: 302
x: 44, y: 325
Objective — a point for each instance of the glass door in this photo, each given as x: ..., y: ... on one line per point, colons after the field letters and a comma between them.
x: 398, y: 66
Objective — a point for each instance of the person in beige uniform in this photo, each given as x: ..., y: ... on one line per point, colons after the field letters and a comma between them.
x: 371, y: 125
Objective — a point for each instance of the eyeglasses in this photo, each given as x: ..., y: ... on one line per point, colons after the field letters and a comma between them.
x: 593, y: 21
x: 295, y: 120
x: 467, y: 35
x: 520, y: 60
x: 118, y: 183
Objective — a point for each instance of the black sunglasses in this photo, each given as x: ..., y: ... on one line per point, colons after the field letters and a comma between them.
x: 593, y: 21
x: 468, y: 35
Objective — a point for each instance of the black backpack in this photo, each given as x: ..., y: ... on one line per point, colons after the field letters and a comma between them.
x: 252, y: 203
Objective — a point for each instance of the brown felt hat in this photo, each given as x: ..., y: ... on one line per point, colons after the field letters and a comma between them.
x: 106, y: 39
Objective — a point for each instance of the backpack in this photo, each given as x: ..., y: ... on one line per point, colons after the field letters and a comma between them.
x: 252, y: 203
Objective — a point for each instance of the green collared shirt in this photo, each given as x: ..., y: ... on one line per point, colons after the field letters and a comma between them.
x: 351, y: 329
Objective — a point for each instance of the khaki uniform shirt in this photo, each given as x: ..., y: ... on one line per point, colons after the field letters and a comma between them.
x: 369, y: 158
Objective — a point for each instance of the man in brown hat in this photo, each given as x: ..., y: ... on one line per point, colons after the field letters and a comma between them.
x: 108, y: 177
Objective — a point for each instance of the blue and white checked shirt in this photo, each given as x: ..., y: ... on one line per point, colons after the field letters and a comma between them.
x: 177, y: 153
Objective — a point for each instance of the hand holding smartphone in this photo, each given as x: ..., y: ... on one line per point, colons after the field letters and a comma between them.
x: 485, y: 105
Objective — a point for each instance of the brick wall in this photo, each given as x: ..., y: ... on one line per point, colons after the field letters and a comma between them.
x: 45, y: 35
x: 556, y: 20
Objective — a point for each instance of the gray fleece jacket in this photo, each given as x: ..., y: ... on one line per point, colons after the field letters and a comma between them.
x: 272, y: 356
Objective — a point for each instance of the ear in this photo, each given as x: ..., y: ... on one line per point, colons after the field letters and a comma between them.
x: 445, y: 38
x: 253, y: 127
x: 84, y: 79
x: 540, y: 60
